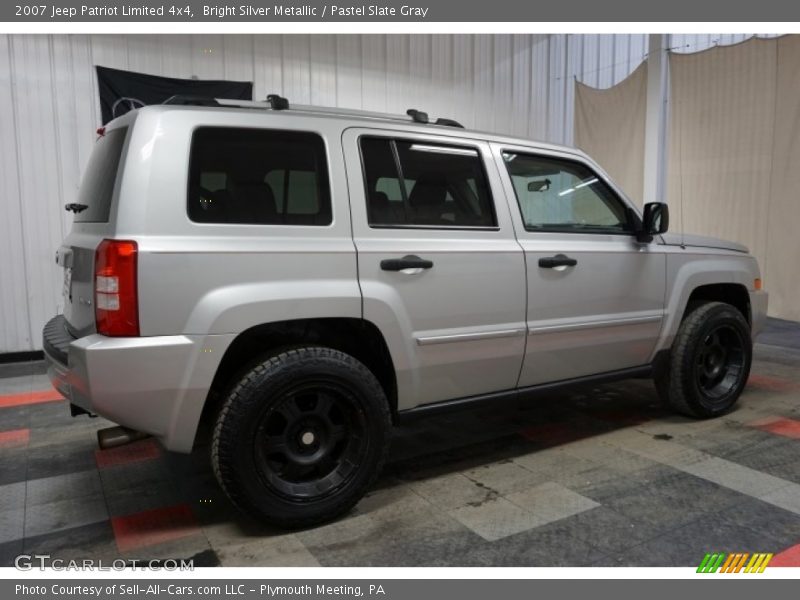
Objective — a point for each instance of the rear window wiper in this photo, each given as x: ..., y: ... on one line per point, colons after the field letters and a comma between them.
x: 75, y: 207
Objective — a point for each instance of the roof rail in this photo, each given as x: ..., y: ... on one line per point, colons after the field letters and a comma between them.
x: 448, y: 123
x: 418, y: 116
x: 422, y: 117
x: 183, y: 100
x: 277, y: 102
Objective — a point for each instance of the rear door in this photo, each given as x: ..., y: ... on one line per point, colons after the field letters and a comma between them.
x: 92, y: 223
x: 595, y: 294
x: 441, y: 272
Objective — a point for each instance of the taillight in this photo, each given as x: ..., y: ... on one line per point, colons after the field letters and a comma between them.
x: 116, y: 305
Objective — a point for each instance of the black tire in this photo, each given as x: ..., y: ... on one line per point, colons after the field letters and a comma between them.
x: 709, y: 362
x: 301, y: 437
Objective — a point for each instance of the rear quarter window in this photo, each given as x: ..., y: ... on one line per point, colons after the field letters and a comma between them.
x: 258, y: 177
x: 97, y: 184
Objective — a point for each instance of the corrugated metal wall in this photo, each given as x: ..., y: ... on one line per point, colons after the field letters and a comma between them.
x: 696, y: 42
x: 49, y: 110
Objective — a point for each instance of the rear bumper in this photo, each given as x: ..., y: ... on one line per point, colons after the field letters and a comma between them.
x: 157, y: 385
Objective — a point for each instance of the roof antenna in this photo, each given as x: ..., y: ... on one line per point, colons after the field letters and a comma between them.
x: 277, y: 102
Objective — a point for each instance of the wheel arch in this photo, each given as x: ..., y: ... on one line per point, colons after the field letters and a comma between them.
x: 691, y: 279
x: 734, y: 294
x: 357, y: 337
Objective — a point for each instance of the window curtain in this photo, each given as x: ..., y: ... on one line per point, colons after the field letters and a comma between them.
x: 734, y: 154
x: 782, y: 273
x: 733, y: 161
x: 610, y: 127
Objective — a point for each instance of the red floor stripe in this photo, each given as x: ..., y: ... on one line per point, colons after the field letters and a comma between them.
x: 38, y: 397
x: 130, y: 453
x: 626, y: 417
x: 779, y: 426
x: 14, y: 438
x: 773, y: 384
x: 788, y: 558
x: 153, y: 527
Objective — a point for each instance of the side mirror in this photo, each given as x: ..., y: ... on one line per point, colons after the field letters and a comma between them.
x: 655, y: 220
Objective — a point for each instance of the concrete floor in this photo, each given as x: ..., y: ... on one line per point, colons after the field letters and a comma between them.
x: 602, y: 476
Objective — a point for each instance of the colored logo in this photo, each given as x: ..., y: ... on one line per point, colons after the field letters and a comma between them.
x: 738, y: 562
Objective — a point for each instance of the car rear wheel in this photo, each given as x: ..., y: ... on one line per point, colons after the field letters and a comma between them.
x: 709, y: 362
x: 301, y: 437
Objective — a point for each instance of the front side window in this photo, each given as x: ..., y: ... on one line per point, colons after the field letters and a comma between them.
x: 425, y: 184
x: 258, y: 176
x: 562, y: 195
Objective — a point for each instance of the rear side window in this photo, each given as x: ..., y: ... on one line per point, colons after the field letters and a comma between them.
x: 258, y: 176
x: 425, y: 184
x: 97, y: 185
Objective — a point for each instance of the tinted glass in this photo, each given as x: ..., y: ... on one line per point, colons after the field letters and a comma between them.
x: 258, y: 176
x: 560, y: 195
x: 97, y: 184
x: 425, y: 184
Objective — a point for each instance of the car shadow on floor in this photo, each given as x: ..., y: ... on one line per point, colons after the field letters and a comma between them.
x: 455, y: 442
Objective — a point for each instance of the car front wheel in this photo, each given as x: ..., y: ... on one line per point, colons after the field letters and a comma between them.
x: 709, y: 362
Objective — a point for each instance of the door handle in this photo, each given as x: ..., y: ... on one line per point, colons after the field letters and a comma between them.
x: 559, y: 260
x: 407, y: 262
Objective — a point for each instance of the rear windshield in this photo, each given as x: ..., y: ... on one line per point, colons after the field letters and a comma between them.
x: 259, y: 177
x: 97, y: 185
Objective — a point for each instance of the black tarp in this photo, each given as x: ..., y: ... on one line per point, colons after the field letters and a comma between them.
x: 122, y: 91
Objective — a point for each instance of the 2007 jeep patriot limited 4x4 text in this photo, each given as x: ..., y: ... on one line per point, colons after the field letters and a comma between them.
x: 301, y: 278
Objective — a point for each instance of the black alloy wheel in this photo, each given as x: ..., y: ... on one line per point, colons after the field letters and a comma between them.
x: 310, y: 441
x: 720, y: 362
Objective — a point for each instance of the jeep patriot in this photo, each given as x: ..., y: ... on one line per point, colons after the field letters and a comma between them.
x: 300, y: 279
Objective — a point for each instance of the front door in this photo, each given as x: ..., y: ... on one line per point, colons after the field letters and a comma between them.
x: 595, y: 294
x: 441, y: 273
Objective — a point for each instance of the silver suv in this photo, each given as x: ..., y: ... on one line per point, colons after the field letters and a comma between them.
x: 302, y: 278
